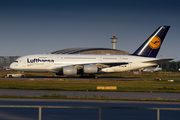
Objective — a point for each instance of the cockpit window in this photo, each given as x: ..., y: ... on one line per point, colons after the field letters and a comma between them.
x: 16, y: 61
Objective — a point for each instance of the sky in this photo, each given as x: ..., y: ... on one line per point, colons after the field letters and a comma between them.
x: 42, y: 26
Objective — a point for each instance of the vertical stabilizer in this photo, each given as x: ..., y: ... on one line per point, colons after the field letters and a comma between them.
x: 151, y: 46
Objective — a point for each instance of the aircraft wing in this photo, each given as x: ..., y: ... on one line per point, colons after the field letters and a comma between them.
x: 158, y: 61
x: 110, y: 64
x: 100, y: 65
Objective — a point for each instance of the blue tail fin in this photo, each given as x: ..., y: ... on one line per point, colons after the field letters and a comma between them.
x: 151, y: 46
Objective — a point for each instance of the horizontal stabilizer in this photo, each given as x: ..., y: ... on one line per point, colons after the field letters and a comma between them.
x: 158, y: 61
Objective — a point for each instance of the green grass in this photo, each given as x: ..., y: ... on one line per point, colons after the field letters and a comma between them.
x: 137, y: 83
x: 90, y: 85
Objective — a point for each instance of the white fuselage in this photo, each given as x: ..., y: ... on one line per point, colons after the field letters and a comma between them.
x: 50, y: 62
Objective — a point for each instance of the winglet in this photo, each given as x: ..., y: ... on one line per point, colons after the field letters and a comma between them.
x: 151, y: 46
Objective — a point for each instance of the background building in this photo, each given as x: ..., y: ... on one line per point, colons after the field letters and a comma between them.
x: 90, y: 51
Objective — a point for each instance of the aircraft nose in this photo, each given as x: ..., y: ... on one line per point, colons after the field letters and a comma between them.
x: 12, y: 66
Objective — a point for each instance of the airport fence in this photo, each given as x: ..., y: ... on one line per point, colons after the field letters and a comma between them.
x: 99, y: 108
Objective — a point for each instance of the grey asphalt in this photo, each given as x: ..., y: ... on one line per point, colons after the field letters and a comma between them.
x: 129, y: 95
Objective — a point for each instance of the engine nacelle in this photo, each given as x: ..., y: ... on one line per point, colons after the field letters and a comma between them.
x: 90, y: 69
x: 68, y: 71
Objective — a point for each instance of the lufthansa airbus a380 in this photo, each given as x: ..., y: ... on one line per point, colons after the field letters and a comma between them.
x: 72, y: 64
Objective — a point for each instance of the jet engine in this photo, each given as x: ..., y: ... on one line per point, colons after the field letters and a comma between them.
x: 90, y: 69
x: 68, y: 71
x: 87, y: 69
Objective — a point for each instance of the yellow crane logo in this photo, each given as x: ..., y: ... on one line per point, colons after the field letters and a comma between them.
x: 155, y: 42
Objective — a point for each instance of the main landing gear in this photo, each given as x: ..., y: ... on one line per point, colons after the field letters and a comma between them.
x: 88, y: 76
